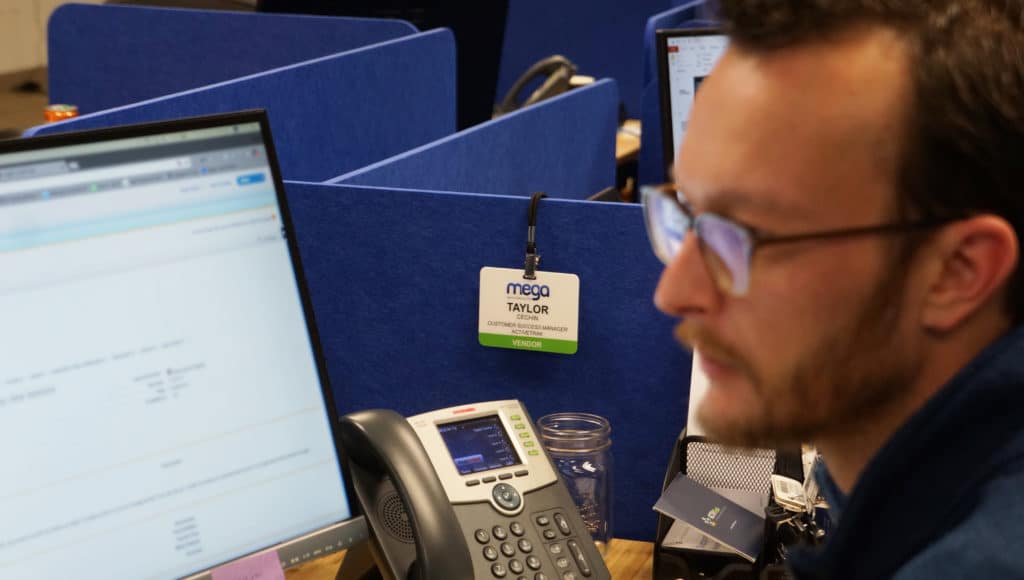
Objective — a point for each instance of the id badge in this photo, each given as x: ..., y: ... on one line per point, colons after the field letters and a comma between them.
x: 540, y: 315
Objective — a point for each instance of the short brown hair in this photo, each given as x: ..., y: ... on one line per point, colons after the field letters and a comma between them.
x: 965, y: 133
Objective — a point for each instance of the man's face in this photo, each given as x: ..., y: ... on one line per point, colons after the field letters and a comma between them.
x: 788, y: 142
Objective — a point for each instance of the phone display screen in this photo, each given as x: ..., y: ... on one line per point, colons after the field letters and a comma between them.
x: 479, y: 444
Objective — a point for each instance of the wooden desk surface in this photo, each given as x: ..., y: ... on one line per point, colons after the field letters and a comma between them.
x: 626, y: 559
x: 627, y: 142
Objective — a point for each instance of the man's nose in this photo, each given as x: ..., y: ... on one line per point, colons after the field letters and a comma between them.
x: 686, y: 287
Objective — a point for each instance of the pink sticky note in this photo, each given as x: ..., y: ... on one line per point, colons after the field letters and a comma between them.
x: 264, y: 566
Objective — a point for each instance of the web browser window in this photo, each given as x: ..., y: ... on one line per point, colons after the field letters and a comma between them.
x: 160, y: 405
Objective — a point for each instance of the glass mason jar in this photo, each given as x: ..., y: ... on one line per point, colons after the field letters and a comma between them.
x: 580, y: 446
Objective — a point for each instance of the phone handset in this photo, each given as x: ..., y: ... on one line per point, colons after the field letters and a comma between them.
x: 557, y: 73
x: 391, y: 472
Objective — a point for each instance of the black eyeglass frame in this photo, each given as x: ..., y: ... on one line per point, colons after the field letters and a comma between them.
x: 759, y: 239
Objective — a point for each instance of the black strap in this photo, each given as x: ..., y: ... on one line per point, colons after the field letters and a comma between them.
x: 532, y: 257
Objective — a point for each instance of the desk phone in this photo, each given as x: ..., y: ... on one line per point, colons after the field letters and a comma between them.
x: 466, y: 492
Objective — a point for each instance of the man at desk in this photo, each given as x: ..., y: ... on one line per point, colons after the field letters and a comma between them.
x: 843, y: 248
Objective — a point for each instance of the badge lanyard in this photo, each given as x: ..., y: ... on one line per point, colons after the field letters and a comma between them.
x: 529, y: 309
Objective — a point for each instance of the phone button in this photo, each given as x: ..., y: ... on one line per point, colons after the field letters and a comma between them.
x: 499, y: 570
x: 508, y: 549
x: 522, y: 473
x: 540, y: 576
x: 515, y: 566
x: 550, y: 534
x: 581, y: 560
x: 555, y: 549
x: 543, y: 520
x: 533, y: 562
x: 505, y: 476
x: 490, y: 479
x: 472, y: 482
x: 563, y: 525
x: 525, y: 546
x: 482, y: 536
x: 516, y: 528
x: 499, y: 533
x: 490, y: 553
x: 507, y: 497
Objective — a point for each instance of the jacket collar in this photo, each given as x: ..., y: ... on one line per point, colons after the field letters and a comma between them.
x: 925, y: 479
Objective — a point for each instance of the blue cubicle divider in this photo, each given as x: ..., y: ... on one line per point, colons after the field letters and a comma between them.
x: 394, y: 278
x: 104, y: 56
x: 330, y: 114
x: 564, y: 146
x: 651, y: 164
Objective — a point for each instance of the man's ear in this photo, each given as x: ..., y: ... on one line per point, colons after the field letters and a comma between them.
x: 975, y: 259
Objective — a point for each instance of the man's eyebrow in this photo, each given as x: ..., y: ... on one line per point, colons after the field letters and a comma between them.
x: 730, y: 202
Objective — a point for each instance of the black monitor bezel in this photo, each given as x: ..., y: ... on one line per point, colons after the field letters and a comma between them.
x: 665, y: 95
x: 91, y: 136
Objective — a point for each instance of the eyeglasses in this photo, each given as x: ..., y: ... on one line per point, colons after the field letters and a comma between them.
x: 728, y: 246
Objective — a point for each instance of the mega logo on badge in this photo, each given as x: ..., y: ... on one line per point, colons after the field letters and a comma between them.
x: 534, y: 290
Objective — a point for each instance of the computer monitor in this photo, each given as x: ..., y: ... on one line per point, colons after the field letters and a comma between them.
x: 164, y: 405
x: 685, y: 59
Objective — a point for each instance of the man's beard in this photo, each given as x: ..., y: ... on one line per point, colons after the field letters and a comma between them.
x: 852, y: 373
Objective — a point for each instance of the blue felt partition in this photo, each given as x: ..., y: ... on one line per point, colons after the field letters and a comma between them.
x: 104, y: 56
x: 564, y: 146
x: 330, y: 114
x: 651, y: 164
x: 394, y: 277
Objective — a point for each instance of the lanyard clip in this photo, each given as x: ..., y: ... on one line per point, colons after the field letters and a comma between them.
x: 532, y: 257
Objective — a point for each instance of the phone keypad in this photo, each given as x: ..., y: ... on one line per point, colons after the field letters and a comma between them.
x: 512, y: 553
x: 514, y: 565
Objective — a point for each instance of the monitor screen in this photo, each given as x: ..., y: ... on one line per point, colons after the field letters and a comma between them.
x: 479, y: 444
x: 686, y: 58
x: 161, y: 402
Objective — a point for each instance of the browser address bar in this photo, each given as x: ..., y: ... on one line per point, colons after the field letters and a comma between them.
x: 96, y: 175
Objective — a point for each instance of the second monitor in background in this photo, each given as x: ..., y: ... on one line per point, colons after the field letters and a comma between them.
x: 685, y: 59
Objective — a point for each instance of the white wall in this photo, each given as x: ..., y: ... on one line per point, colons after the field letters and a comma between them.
x: 23, y: 32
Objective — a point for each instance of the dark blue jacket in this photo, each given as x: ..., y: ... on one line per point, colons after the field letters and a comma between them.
x: 944, y: 497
